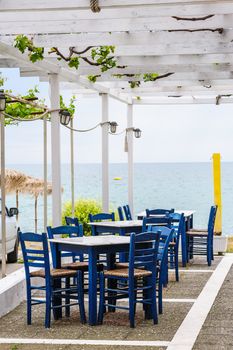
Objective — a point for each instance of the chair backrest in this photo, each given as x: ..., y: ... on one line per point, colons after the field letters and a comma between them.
x: 71, y: 221
x: 35, y: 256
x: 100, y: 217
x: 211, y: 222
x: 143, y: 251
x: 178, y: 224
x: 151, y: 212
x: 166, y: 236
x: 156, y: 221
x: 71, y: 231
x: 120, y: 213
x: 127, y: 211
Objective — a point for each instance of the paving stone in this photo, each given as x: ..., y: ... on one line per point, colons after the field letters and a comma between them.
x: 217, y: 331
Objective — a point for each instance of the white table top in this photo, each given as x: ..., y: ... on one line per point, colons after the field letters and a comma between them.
x: 93, y: 240
x: 187, y: 213
x: 120, y: 224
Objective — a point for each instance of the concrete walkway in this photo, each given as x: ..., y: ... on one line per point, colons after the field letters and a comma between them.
x: 180, y: 301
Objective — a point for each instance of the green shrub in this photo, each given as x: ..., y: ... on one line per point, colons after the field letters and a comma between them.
x: 82, y: 208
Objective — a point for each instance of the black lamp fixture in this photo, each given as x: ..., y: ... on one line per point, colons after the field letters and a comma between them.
x: 65, y: 117
x: 2, y: 101
x: 113, y: 127
x: 137, y: 133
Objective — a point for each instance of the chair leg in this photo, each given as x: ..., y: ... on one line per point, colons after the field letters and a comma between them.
x: 154, y: 304
x: 81, y: 297
x: 102, y: 299
x: 67, y: 299
x: 29, y: 305
x: 160, y: 298
x: 177, y: 264
x: 48, y: 308
x: 132, y: 302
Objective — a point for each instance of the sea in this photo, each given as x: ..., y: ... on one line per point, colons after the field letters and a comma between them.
x: 183, y: 186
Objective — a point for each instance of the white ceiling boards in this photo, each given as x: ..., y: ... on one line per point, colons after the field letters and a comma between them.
x: 189, y: 44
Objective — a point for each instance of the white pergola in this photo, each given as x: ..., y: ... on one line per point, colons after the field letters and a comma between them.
x: 190, y: 42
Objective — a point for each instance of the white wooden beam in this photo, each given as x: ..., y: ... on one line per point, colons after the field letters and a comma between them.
x: 160, y: 69
x: 126, y: 38
x: 130, y: 157
x: 84, y: 4
x: 30, y: 26
x: 55, y: 150
x: 181, y: 100
x: 77, y: 10
x: 105, y: 154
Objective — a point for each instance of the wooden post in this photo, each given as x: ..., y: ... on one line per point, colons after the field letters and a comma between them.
x: 130, y: 156
x: 45, y: 173
x: 217, y: 192
x: 17, y: 202
x: 105, y: 156
x: 3, y: 195
x: 36, y: 198
x: 72, y: 165
x: 55, y: 150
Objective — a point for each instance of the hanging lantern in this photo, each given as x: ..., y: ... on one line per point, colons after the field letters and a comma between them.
x: 137, y: 133
x: 2, y: 101
x: 65, y: 117
x: 113, y: 127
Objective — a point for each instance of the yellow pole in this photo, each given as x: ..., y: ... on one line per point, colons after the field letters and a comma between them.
x: 217, y: 192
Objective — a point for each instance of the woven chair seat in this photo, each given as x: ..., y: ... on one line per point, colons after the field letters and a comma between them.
x: 122, y: 265
x: 81, y: 266
x: 125, y: 273
x: 197, y: 233
x: 77, y: 266
x: 55, y: 273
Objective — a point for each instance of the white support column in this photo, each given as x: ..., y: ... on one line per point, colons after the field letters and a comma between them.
x: 3, y: 196
x: 130, y: 156
x: 72, y: 165
x: 105, y: 157
x: 45, y: 172
x: 55, y: 150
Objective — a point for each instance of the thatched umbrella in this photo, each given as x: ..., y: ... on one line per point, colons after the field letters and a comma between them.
x: 35, y: 187
x: 13, y: 181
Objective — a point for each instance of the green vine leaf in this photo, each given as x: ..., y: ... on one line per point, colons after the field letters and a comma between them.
x: 24, y: 44
x: 150, y: 77
x: 134, y: 84
x: 74, y: 62
x: 93, y: 78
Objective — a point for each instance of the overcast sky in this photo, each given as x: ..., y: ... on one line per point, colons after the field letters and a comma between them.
x: 169, y: 133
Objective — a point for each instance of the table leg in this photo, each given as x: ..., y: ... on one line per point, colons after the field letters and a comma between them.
x: 123, y: 255
x: 92, y: 290
x: 57, y: 312
x: 112, y: 283
x: 184, y: 248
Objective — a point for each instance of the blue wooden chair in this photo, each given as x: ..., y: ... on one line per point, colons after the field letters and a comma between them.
x: 127, y: 212
x: 162, y: 269
x: 156, y: 221
x: 120, y: 213
x: 200, y: 242
x: 100, y: 217
x: 77, y: 262
x: 178, y: 224
x: 39, y: 258
x: 138, y: 278
x: 72, y: 221
x: 152, y: 212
